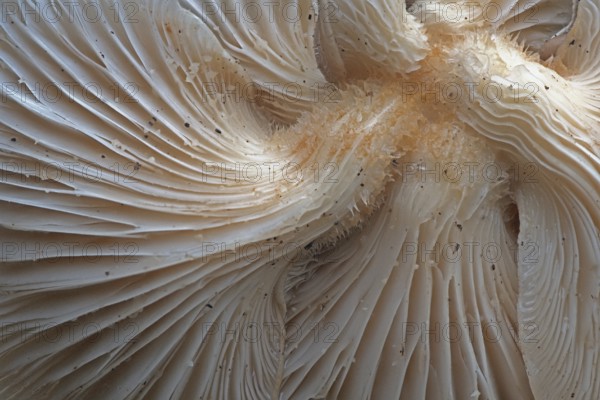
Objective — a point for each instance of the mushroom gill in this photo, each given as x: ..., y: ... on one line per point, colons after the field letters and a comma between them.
x: 296, y: 200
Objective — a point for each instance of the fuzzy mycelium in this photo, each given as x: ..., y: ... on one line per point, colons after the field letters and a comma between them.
x: 334, y: 199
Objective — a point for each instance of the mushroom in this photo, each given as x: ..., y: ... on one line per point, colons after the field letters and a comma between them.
x: 298, y: 200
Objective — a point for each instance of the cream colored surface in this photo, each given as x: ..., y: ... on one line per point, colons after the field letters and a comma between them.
x: 183, y: 95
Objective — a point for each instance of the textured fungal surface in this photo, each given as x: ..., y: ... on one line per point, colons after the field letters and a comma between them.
x: 300, y: 199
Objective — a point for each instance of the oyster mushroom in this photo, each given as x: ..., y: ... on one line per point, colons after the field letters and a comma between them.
x: 300, y: 200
